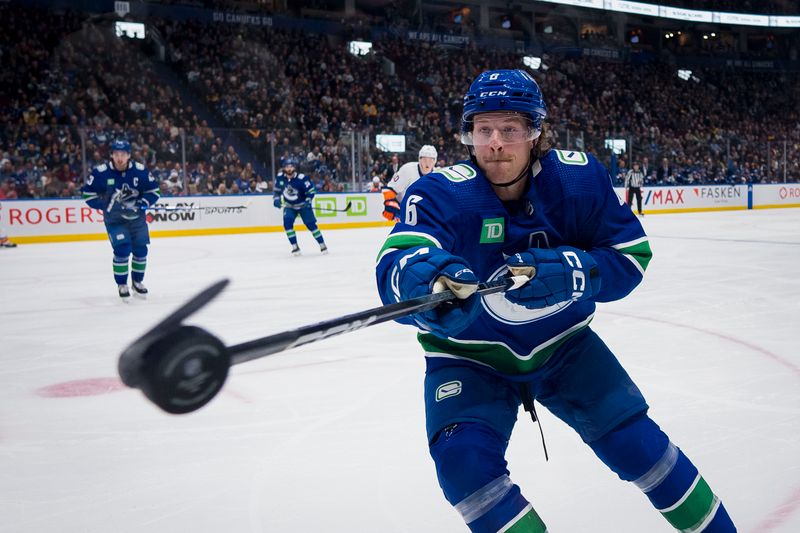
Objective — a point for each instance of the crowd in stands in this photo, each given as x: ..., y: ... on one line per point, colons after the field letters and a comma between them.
x: 70, y: 90
x: 768, y: 7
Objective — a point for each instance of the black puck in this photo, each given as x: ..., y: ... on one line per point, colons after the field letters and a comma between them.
x: 184, y: 369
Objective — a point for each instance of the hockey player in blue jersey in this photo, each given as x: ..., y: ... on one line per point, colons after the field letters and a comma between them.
x: 295, y: 192
x: 518, y: 207
x: 123, y: 190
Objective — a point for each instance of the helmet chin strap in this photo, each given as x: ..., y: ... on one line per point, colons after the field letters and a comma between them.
x: 522, y: 174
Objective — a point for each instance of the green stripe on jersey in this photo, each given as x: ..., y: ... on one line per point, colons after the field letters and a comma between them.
x: 528, y: 522
x: 495, y: 354
x: 693, y: 508
x: 404, y: 241
x: 640, y: 252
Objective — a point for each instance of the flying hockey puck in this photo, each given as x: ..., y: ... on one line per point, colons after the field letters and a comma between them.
x: 184, y: 369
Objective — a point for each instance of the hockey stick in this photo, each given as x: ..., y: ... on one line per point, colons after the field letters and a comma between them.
x: 195, y: 208
x: 181, y: 368
x: 346, y: 208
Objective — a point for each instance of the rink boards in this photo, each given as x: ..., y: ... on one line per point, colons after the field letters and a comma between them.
x: 53, y: 220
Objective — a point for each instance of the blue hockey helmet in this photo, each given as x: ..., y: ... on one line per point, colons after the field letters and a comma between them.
x: 290, y: 161
x: 503, y: 90
x: 120, y: 145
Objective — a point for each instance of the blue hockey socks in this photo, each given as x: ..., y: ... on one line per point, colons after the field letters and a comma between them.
x: 640, y: 452
x: 120, y: 265
x: 472, y: 472
x: 138, y: 266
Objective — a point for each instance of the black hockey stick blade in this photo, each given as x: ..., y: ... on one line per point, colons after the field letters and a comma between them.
x: 130, y: 361
x: 194, y: 208
x: 285, y: 340
x: 346, y: 208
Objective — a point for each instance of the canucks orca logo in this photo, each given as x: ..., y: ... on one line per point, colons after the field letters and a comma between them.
x: 290, y: 193
x: 507, y: 312
x: 126, y: 194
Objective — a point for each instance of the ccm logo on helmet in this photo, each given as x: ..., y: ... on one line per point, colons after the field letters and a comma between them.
x: 493, y: 93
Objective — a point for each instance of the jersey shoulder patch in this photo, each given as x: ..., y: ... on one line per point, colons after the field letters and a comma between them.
x: 457, y: 173
x: 571, y: 157
x: 101, y: 168
x: 138, y: 165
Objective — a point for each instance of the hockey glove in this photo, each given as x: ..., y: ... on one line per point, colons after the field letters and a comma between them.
x: 276, y: 201
x: 133, y: 210
x: 391, y: 207
x: 425, y: 270
x: 558, y: 275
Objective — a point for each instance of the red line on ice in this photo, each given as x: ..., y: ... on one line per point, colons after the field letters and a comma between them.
x: 792, y: 503
x: 763, y: 351
x: 81, y: 387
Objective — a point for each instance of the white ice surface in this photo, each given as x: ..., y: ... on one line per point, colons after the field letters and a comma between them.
x: 330, y: 437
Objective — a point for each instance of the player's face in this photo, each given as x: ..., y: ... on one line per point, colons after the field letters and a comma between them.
x: 426, y: 164
x: 505, y: 148
x: 120, y: 159
x: 288, y: 170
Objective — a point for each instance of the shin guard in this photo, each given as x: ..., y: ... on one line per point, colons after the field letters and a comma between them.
x: 472, y: 472
x: 638, y: 451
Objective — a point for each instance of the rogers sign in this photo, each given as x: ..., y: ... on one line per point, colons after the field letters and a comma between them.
x: 34, y: 216
x: 789, y: 192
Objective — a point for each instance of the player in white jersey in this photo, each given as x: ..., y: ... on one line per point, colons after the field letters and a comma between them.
x: 406, y: 175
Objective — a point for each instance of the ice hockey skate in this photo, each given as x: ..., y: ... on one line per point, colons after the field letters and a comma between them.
x: 139, y: 290
x: 295, y: 251
x: 323, y: 248
x: 124, y: 293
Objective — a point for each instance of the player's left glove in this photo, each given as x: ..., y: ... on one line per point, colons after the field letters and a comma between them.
x: 424, y: 270
x: 276, y: 201
x: 132, y: 211
x: 558, y: 275
x: 307, y: 204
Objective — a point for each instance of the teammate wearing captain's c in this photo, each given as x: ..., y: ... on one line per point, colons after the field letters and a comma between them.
x: 123, y: 189
x: 517, y: 206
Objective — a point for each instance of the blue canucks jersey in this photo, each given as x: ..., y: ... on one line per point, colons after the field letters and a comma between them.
x: 569, y: 201
x: 294, y: 191
x: 106, y: 186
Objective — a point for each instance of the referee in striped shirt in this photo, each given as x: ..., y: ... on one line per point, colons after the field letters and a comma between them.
x: 634, y: 180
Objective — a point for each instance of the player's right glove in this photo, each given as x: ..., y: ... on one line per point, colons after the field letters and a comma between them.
x: 276, y: 201
x: 558, y: 275
x: 424, y: 270
x: 391, y: 207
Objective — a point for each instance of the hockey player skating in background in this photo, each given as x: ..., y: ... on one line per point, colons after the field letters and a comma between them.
x: 123, y: 190
x: 518, y: 207
x: 407, y: 174
x: 295, y: 193
x: 5, y: 242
